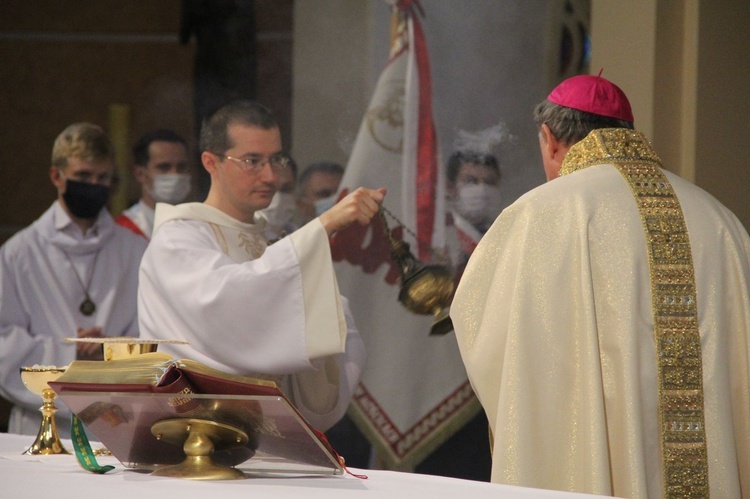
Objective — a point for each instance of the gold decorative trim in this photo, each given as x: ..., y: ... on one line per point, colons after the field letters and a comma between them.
x: 253, y: 244
x: 609, y: 145
x: 403, y: 451
x: 220, y: 237
x: 673, y: 291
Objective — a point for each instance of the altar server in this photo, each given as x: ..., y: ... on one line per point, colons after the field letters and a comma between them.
x: 72, y: 273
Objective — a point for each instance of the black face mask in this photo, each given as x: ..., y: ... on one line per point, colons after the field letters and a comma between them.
x: 85, y: 200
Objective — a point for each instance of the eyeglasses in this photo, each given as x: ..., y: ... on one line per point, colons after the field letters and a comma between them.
x: 255, y: 164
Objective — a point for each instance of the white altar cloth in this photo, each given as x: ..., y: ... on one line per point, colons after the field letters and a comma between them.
x: 60, y: 477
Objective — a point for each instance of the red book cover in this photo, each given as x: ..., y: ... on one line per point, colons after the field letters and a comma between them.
x: 120, y: 401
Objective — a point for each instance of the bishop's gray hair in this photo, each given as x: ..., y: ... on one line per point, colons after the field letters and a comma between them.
x: 570, y: 125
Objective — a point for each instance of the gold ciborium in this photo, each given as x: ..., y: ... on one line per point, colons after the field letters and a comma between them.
x: 36, y: 379
x: 425, y: 289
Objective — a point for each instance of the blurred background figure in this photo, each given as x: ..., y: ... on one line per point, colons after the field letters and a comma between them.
x: 474, y: 188
x: 474, y: 199
x: 282, y: 211
x: 316, y: 187
x: 160, y: 165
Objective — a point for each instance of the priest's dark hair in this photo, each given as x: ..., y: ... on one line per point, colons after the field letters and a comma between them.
x: 214, y: 136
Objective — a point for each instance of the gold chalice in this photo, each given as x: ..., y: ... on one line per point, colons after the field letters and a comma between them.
x: 36, y: 379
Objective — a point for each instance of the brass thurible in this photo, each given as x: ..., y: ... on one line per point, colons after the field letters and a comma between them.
x: 425, y: 289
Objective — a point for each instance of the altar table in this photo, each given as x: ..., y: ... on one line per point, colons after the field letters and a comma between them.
x: 60, y: 477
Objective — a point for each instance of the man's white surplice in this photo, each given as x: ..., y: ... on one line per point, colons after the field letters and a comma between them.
x: 40, y: 295
x: 249, y: 309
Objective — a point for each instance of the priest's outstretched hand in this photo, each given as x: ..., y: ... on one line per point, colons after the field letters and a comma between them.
x: 357, y: 206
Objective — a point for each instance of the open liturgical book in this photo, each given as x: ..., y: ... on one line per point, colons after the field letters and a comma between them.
x: 124, y: 403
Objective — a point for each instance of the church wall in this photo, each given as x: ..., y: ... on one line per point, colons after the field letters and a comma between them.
x: 684, y: 66
x: 722, y: 161
x: 70, y: 61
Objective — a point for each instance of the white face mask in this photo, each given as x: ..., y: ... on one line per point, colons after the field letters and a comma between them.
x: 171, y: 187
x: 281, y: 210
x: 325, y: 204
x: 479, y: 203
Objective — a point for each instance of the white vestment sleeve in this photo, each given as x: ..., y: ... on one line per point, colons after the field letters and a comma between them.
x: 320, y: 291
x: 18, y: 347
x: 248, y: 317
x: 323, y: 395
x: 275, y: 312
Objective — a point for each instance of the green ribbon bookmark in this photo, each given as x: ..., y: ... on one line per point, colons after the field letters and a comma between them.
x: 84, y: 454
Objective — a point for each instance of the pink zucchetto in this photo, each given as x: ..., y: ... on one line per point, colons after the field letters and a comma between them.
x: 593, y: 94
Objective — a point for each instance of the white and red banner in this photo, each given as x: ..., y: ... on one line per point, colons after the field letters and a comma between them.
x: 415, y: 392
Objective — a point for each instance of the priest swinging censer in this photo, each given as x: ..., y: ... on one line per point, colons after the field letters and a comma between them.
x: 426, y: 289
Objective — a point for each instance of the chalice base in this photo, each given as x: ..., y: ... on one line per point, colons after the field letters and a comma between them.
x: 47, y: 440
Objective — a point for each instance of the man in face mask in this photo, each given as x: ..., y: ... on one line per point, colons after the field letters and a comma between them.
x: 474, y: 188
x: 474, y: 198
x: 72, y: 273
x: 161, y: 167
x: 317, y: 188
x: 283, y: 208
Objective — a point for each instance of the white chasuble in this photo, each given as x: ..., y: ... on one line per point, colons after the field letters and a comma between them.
x: 247, y: 308
x: 555, y: 324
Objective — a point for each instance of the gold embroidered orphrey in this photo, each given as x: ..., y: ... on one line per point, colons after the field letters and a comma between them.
x: 254, y: 245
x: 680, y: 371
